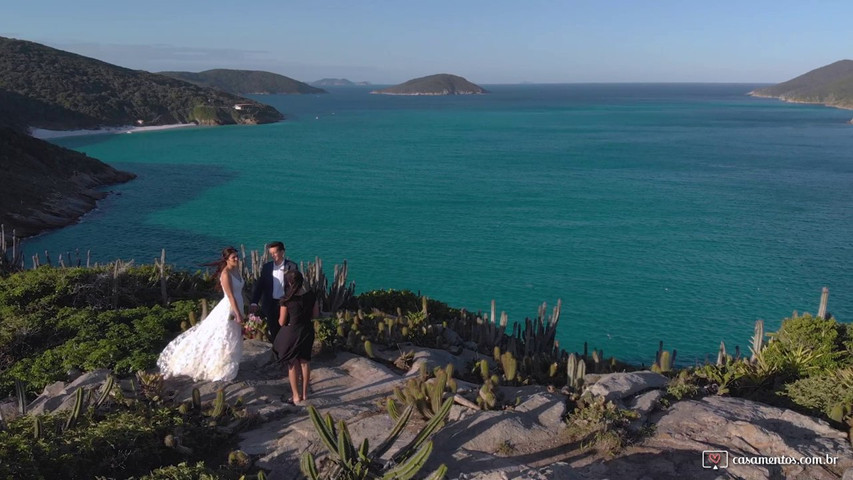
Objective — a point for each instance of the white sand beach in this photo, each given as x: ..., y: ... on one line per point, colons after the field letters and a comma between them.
x: 44, y: 134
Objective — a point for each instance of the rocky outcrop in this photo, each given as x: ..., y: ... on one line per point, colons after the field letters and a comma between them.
x: 524, y: 442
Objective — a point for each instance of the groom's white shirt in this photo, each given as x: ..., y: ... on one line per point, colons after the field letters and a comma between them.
x: 278, y: 280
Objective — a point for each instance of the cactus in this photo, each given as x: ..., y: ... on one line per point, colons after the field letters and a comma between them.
x: 483, y: 366
x: 219, y: 404
x: 368, y: 348
x: 721, y: 355
x: 350, y: 462
x: 38, y: 429
x: 510, y: 366
x: 21, y: 393
x: 663, y: 360
x: 75, y: 412
x: 552, y: 370
x: 487, y: 398
x: 576, y: 369
x: 840, y: 411
x: 196, y: 399
x: 597, y: 360
x: 757, y: 341
x: 192, y: 319
x: 105, y: 391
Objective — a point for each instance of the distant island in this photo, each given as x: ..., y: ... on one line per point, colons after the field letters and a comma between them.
x: 337, y: 82
x: 830, y: 85
x: 242, y: 82
x: 440, y: 84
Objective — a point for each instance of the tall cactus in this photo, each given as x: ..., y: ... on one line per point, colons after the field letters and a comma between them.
x: 21, y: 393
x: 105, y: 391
x: 721, y: 355
x: 576, y: 369
x: 196, y: 399
x: 663, y: 360
x: 757, y: 340
x: 75, y: 412
x: 219, y: 404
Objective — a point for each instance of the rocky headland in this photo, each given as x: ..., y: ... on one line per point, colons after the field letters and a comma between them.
x: 440, y: 84
x: 46, y: 186
x: 830, y: 85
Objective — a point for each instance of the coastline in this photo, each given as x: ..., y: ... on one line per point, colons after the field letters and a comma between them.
x: 45, y: 134
x: 785, y: 99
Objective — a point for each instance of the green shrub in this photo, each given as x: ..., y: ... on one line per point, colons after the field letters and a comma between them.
x: 806, y: 345
x: 131, y: 439
x: 121, y: 340
x: 183, y: 471
x: 820, y: 393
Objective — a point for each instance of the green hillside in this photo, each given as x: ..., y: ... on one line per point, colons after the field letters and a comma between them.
x: 245, y: 82
x: 831, y: 85
x: 440, y: 84
x: 54, y: 89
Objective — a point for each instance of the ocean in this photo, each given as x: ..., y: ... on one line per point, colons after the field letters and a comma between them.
x: 679, y: 213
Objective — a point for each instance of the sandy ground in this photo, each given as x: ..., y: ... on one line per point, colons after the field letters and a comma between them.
x: 48, y: 134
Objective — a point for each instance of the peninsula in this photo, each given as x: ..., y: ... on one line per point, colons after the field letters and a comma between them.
x: 440, y: 84
x: 830, y: 85
x: 241, y: 82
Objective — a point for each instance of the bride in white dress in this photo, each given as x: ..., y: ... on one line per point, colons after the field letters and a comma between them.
x: 211, y: 349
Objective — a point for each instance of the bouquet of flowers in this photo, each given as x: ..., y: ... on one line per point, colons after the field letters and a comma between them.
x: 254, y: 328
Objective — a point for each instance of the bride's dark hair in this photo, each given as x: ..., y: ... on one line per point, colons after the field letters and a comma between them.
x: 220, y: 264
x: 294, y: 281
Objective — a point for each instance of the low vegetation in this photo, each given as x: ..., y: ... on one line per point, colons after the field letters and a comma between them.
x: 56, y: 321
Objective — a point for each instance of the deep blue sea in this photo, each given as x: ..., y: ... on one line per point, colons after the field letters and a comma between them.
x: 674, y: 212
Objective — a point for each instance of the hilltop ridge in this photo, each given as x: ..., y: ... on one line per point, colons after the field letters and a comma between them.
x: 60, y: 90
x: 245, y: 82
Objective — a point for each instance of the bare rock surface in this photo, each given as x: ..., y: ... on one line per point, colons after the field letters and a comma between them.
x: 616, y: 386
x: 741, y: 428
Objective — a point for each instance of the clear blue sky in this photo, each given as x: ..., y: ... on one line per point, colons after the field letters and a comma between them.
x: 498, y: 41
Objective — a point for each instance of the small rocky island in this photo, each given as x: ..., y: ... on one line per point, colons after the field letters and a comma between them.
x: 440, y: 84
x: 830, y: 85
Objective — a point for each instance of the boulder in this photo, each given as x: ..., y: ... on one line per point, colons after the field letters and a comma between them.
x: 618, y: 386
x: 740, y: 428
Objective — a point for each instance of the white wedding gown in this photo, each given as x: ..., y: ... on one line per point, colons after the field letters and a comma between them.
x: 211, y: 349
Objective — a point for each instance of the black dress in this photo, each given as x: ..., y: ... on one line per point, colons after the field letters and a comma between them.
x: 295, y: 339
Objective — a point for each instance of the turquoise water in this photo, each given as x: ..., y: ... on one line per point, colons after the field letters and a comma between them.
x: 680, y: 213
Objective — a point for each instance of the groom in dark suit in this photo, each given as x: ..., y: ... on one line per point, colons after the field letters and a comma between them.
x: 269, y: 288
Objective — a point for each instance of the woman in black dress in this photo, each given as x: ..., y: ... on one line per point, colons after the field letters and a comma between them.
x: 293, y: 343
